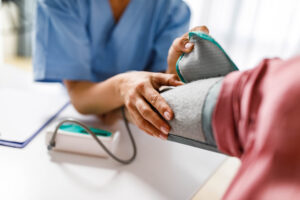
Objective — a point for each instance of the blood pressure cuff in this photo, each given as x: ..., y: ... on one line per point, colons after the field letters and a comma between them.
x: 193, y: 106
x: 193, y: 103
x: 208, y: 59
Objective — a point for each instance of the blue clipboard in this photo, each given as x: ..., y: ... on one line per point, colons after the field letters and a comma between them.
x: 28, y: 140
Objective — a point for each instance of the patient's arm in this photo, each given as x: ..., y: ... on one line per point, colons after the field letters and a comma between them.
x: 193, y: 105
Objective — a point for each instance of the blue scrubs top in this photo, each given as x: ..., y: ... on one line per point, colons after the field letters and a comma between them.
x: 80, y: 40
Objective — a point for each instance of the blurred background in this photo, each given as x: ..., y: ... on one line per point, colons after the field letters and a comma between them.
x: 248, y: 30
x: 16, y: 27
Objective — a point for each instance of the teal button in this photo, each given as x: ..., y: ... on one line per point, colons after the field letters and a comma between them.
x: 74, y: 128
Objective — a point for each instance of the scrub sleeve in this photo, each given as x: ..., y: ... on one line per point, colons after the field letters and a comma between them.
x: 54, y: 59
x: 171, y: 27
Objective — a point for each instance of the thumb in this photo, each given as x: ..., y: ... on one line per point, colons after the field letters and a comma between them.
x: 161, y: 79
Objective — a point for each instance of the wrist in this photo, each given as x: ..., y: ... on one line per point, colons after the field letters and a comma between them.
x: 118, y: 82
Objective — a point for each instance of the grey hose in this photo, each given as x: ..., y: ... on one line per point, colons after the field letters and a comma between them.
x: 87, y: 129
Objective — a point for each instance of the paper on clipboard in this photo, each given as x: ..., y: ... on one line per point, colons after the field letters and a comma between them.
x: 24, y: 113
x: 26, y: 107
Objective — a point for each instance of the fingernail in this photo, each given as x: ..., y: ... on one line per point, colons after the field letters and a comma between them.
x: 164, y: 130
x: 188, y: 45
x: 162, y: 137
x: 167, y: 115
x: 179, y: 83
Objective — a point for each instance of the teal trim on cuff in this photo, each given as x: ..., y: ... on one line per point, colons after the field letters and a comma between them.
x: 177, y: 69
x: 204, y: 36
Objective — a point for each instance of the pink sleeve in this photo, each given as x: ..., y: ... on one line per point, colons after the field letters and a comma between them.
x: 257, y: 118
x: 233, y: 105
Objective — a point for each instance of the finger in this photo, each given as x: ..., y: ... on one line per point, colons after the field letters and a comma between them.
x: 161, y: 79
x: 203, y: 29
x: 182, y: 45
x: 156, y: 100
x: 145, y: 125
x: 135, y: 116
x: 151, y: 116
x: 127, y: 115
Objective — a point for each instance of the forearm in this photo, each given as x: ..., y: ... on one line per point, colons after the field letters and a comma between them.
x: 94, y: 98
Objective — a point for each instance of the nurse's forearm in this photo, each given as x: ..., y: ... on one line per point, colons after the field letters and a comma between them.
x: 135, y: 90
x: 94, y: 98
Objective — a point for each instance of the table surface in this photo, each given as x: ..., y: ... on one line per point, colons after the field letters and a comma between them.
x: 162, y: 169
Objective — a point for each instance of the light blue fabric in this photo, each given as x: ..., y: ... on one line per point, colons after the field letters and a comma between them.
x: 79, y: 39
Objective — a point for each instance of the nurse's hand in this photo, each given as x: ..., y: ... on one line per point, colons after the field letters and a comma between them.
x: 138, y: 91
x: 181, y: 45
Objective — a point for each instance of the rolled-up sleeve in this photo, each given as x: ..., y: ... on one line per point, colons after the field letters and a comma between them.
x: 172, y: 26
x: 61, y: 42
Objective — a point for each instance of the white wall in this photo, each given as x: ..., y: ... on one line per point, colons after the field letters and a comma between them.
x: 1, y: 51
x: 250, y: 30
x: 9, y: 37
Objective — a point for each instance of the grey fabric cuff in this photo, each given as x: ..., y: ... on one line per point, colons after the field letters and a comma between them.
x: 207, y: 112
x: 207, y: 60
x: 188, y: 104
x: 193, y: 104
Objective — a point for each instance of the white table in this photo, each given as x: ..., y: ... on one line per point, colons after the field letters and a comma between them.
x: 162, y: 170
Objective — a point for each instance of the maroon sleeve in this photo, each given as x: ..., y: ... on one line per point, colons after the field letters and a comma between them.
x: 235, y: 102
x: 257, y: 118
